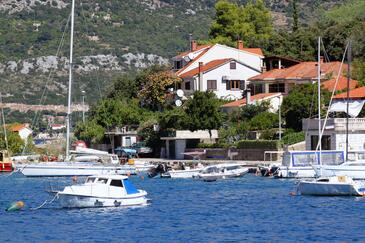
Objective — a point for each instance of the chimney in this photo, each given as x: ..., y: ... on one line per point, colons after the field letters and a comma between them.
x: 248, y: 96
x: 240, y: 45
x: 193, y: 45
x: 200, y: 78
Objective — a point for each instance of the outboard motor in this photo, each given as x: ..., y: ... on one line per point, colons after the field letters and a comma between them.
x: 160, y: 169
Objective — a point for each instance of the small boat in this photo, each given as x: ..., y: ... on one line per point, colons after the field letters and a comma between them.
x: 102, y: 191
x: 6, y: 164
x: 331, y: 186
x: 48, y: 169
x: 221, y: 171
x: 185, y: 171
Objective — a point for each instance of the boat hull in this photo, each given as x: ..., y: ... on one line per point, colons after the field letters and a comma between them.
x: 59, y: 170
x: 6, y: 167
x: 79, y: 201
x: 217, y: 176
x: 177, y: 174
x: 328, y: 189
x: 294, y: 172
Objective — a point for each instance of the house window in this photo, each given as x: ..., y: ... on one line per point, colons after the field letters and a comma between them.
x: 256, y: 88
x: 278, y: 87
x: 187, y: 86
x: 212, y: 85
x: 326, y: 142
x: 232, y: 65
x: 178, y: 64
x: 235, y: 84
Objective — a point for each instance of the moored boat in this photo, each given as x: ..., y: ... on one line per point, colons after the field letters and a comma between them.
x: 55, y: 169
x: 221, y: 171
x: 6, y: 164
x: 331, y: 186
x: 102, y: 191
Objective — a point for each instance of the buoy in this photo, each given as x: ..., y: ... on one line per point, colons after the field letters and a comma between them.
x: 15, y: 206
x: 142, y: 177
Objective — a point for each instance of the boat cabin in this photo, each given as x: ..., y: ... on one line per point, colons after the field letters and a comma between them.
x: 6, y: 164
x: 309, y: 158
x: 115, y: 182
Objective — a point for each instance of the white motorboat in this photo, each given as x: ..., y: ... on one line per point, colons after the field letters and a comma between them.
x: 102, y: 191
x: 299, y: 164
x: 331, y: 186
x: 221, y: 171
x: 49, y: 169
x: 185, y: 172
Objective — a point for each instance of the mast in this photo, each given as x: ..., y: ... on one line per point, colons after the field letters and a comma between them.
x: 348, y: 98
x: 319, y: 100
x: 3, y: 121
x: 68, y: 118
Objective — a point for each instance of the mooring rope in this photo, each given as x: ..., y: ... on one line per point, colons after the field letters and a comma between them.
x: 45, y: 202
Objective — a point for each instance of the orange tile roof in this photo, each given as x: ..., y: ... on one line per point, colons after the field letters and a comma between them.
x: 358, y: 93
x: 303, y: 70
x: 242, y: 102
x: 256, y: 51
x: 16, y: 127
x: 341, y: 84
x: 192, y: 61
x: 198, y: 48
x: 208, y: 66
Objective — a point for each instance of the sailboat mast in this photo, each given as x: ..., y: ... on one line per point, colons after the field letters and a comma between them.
x: 319, y: 98
x: 348, y: 98
x: 3, y: 121
x: 70, y: 81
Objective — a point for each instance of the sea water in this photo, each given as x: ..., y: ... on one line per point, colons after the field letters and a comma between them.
x: 244, y: 209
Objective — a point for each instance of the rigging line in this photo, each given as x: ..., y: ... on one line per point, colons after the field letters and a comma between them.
x: 334, y: 89
x: 50, y: 77
x: 3, y: 121
x: 325, y: 53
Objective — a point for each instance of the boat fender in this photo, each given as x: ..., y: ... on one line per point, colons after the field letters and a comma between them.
x: 117, y: 204
x: 15, y: 206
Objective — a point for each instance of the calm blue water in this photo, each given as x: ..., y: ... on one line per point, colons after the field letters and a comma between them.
x: 245, y: 209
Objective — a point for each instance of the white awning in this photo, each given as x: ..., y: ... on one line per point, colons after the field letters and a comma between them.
x: 355, y: 107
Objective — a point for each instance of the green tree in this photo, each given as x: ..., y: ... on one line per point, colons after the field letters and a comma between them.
x: 264, y: 120
x: 301, y: 103
x: 90, y: 131
x: 154, y: 87
x: 252, y: 110
x: 15, y: 143
x: 174, y: 119
x: 251, y: 23
x: 203, y: 111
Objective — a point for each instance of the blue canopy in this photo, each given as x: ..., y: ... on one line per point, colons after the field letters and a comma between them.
x: 129, y: 187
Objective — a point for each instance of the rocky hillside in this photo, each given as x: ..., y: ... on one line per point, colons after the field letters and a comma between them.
x: 111, y: 37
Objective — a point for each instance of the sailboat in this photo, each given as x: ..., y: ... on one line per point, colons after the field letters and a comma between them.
x: 332, y: 185
x: 72, y: 168
x: 6, y: 164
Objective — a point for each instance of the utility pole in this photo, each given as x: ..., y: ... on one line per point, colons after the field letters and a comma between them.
x: 83, y: 105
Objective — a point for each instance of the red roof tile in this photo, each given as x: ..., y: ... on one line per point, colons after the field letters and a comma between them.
x: 304, y: 70
x: 242, y: 102
x: 17, y: 127
x: 358, y: 93
x: 197, y: 49
x: 208, y: 66
x: 341, y: 84
x: 256, y: 51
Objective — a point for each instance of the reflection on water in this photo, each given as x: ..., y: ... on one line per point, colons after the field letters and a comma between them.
x: 245, y: 209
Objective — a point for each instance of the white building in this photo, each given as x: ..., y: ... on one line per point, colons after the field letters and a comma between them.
x: 22, y: 129
x: 178, y: 141
x: 334, y: 135
x: 219, y: 68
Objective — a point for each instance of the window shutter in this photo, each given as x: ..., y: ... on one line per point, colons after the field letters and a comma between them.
x: 242, y: 84
x: 227, y: 85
